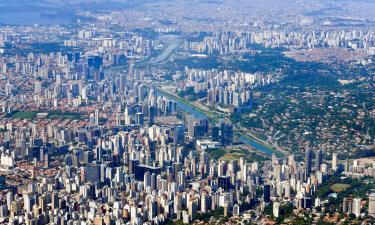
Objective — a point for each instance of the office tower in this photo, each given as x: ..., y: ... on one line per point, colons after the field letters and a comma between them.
x: 147, y: 180
x: 347, y: 205
x: 191, y: 122
x: 177, y: 202
x: 236, y: 210
x: 118, y: 119
x: 152, y: 112
x: 88, y: 157
x: 54, y: 200
x: 141, y: 92
x: 154, y: 181
x: 139, y: 118
x: 192, y: 208
x: 204, y: 202
x: 9, y: 197
x: 181, y: 179
x: 318, y: 159
x: 347, y: 165
x: 97, y: 117
x: 198, y: 131
x: 179, y: 134
x: 226, y: 134
x: 215, y: 133
x: 267, y: 193
x: 306, y: 203
x: 132, y: 166
x: 371, y: 205
x: 276, y: 209
x: 334, y: 161
x: 122, y: 85
x: 204, y: 123
x: 42, y: 203
x: 308, y: 161
x: 225, y: 209
x: 153, y: 209
x: 224, y: 182
x: 27, y: 202
x: 356, y: 207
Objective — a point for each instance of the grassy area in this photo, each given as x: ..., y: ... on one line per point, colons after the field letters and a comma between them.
x: 51, y: 115
x: 64, y: 115
x: 216, y: 153
x: 337, y: 188
x: 24, y: 115
x: 234, y: 154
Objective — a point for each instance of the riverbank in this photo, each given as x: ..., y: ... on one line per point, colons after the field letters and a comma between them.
x: 213, y: 117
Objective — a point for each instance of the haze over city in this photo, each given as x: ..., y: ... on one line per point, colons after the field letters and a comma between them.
x: 156, y: 112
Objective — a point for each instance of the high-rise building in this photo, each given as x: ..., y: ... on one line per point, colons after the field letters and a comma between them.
x: 318, y: 159
x: 356, y: 207
x: 371, y: 205
x: 226, y: 134
x: 54, y: 200
x: 204, y: 123
x: 347, y: 205
x: 204, y: 202
x: 191, y: 122
x: 97, y: 117
x: 42, y: 203
x: 276, y: 209
x: 152, y: 111
x: 192, y: 208
x: 224, y: 182
x: 132, y: 166
x: 236, y: 210
x: 27, y: 202
x: 215, y: 133
x: 308, y: 161
x: 198, y: 131
x: 179, y: 134
x: 267, y: 193
x: 139, y: 118
x: 147, y: 180
x: 334, y: 161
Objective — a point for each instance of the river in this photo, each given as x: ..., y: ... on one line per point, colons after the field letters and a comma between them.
x: 201, y: 115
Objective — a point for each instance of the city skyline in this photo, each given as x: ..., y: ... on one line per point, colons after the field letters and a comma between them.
x: 158, y: 112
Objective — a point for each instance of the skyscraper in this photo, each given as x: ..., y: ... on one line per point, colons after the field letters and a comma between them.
x: 191, y: 122
x: 276, y: 209
x: 179, y: 134
x: 215, y: 133
x: 152, y: 111
x: 226, y: 134
x: 356, y: 207
x: 334, y: 161
x: 27, y: 202
x: 96, y: 117
x: 308, y: 161
x: 267, y: 193
x: 318, y: 159
x: 371, y: 205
